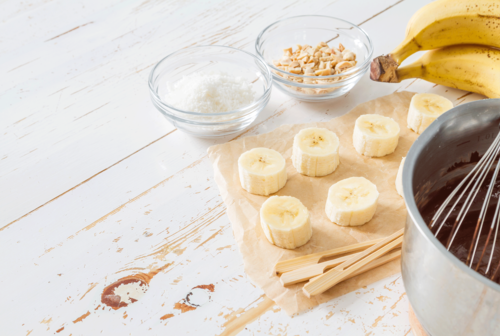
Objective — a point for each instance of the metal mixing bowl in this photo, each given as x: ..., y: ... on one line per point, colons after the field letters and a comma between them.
x: 448, y: 297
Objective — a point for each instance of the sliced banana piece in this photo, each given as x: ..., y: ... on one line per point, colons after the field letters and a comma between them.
x: 399, y: 178
x: 315, y: 152
x: 262, y: 171
x: 375, y: 135
x: 352, y: 202
x: 424, y: 109
x: 285, y: 221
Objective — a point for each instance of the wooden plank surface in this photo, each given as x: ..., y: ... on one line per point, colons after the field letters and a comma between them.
x: 95, y: 184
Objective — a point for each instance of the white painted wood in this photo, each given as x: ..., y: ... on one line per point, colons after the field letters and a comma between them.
x: 93, y: 179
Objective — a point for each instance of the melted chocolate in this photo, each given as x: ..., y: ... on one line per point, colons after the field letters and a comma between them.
x: 461, y: 245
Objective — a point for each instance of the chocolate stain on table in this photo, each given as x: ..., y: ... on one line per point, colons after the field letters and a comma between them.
x: 115, y: 301
x: 197, y: 297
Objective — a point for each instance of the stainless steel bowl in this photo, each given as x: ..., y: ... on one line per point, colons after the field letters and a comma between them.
x: 448, y: 297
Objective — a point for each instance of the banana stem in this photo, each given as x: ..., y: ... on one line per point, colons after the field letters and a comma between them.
x: 385, y: 68
x: 405, y: 50
x: 414, y: 70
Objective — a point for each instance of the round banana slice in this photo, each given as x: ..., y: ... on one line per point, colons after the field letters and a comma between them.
x: 352, y: 202
x: 315, y: 152
x: 375, y: 135
x: 399, y: 178
x: 262, y: 171
x: 285, y: 221
x: 424, y: 109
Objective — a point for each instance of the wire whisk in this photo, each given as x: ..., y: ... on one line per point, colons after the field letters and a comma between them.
x: 468, y: 189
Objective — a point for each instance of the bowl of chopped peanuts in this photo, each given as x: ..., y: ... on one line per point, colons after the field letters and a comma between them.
x: 313, y: 57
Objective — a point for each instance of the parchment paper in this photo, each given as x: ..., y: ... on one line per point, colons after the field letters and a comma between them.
x: 260, y: 256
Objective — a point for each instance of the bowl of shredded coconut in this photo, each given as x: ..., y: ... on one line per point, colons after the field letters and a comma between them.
x: 210, y: 91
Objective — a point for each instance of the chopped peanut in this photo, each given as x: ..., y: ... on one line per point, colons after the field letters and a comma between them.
x: 286, y: 61
x: 303, y: 55
x: 316, y: 62
x: 321, y: 91
x: 309, y: 72
x: 342, y: 66
x: 348, y: 55
x: 323, y: 72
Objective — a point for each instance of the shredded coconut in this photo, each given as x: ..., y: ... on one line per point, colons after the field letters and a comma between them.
x: 210, y: 92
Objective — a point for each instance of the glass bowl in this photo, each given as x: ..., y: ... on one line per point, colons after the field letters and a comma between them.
x: 311, y: 30
x: 210, y: 58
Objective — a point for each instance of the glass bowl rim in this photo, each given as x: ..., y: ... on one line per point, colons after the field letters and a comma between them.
x: 351, y: 71
x: 254, y: 105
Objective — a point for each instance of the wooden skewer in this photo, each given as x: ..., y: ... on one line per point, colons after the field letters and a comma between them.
x: 374, y: 264
x: 314, y: 259
x: 339, y: 273
x: 308, y: 272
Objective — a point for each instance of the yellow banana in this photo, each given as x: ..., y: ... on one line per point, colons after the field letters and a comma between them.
x: 466, y: 67
x: 440, y: 24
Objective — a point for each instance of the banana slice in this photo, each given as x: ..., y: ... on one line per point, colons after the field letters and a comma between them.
x: 399, y: 178
x: 262, y: 171
x: 285, y: 221
x: 424, y: 109
x: 315, y: 152
x: 352, y: 202
x: 375, y: 135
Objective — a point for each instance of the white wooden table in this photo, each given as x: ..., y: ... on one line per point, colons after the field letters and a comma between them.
x: 95, y: 184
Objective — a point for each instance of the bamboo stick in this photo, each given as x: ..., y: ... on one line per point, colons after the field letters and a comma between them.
x: 339, y: 273
x: 374, y: 264
x: 315, y: 258
x: 308, y: 272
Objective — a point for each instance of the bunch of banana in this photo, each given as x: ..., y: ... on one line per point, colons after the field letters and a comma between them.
x: 462, y: 36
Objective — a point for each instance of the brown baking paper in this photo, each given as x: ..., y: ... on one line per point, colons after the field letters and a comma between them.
x: 260, y: 256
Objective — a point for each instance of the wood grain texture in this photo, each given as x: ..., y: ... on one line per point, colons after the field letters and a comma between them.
x: 96, y: 185
x: 416, y: 327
